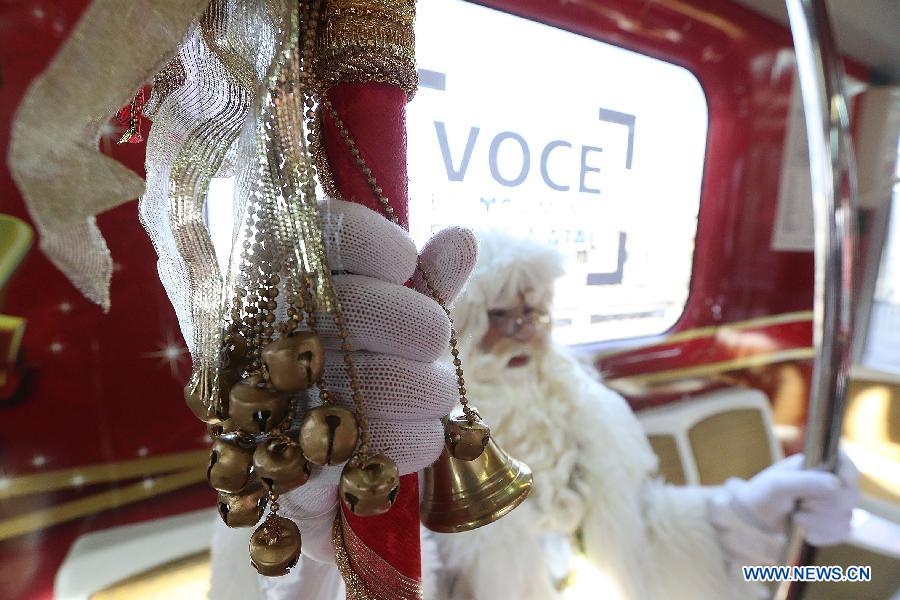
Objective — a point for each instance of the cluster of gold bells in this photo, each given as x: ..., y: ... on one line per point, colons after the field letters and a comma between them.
x: 257, y: 455
x: 254, y: 459
x: 249, y: 398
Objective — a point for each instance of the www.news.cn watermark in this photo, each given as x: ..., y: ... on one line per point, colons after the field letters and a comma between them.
x: 808, y: 573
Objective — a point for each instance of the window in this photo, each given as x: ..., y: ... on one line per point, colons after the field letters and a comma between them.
x: 548, y: 134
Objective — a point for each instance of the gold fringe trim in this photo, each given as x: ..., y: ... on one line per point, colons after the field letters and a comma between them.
x: 369, y: 40
x: 356, y: 587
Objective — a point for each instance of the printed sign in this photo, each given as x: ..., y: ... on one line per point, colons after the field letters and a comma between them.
x: 551, y: 135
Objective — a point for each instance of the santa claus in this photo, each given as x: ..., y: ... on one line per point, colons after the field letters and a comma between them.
x: 596, y: 501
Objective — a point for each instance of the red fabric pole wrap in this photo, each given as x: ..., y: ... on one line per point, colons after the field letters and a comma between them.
x: 374, y: 115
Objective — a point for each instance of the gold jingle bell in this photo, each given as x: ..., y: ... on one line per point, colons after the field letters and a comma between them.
x: 465, y: 439
x: 229, y: 466
x: 256, y: 409
x: 245, y: 508
x: 194, y: 400
x: 328, y: 435
x: 275, y: 546
x: 369, y: 487
x: 294, y: 362
x: 280, y: 465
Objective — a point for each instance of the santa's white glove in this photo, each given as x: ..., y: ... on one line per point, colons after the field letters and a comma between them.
x: 398, y: 337
x: 751, y: 517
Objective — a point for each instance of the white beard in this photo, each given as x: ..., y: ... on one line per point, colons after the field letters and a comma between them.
x: 593, y: 470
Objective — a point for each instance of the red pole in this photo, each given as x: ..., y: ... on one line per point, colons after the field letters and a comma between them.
x: 374, y: 115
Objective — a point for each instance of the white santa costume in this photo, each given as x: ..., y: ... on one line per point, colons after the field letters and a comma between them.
x: 594, y: 475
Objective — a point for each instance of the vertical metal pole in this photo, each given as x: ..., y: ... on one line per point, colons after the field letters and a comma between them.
x: 832, y: 174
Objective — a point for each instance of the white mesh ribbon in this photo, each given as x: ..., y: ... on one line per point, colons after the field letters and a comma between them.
x: 200, y: 104
x: 112, y: 51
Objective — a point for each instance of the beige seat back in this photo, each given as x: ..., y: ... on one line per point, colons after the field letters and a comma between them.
x: 709, y: 438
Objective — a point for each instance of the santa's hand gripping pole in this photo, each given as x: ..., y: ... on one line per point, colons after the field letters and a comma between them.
x: 372, y: 112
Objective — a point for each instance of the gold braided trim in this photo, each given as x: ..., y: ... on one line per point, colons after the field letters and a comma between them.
x: 365, y: 572
x: 369, y: 40
x: 356, y: 588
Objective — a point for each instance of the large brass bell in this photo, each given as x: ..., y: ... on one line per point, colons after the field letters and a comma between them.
x: 256, y: 409
x: 280, y: 465
x: 465, y: 439
x: 229, y: 466
x: 460, y: 495
x: 245, y: 508
x: 328, y: 435
x: 275, y: 546
x: 294, y: 362
x: 370, y: 487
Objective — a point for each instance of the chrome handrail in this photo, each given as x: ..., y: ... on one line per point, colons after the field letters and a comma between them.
x: 833, y: 179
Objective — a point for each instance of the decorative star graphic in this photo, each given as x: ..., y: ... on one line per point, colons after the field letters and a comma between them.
x: 110, y: 132
x: 170, y: 353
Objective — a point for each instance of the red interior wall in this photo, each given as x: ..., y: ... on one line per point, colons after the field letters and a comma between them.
x: 87, y: 391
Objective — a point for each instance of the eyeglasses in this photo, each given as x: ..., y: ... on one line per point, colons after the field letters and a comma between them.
x: 511, y: 320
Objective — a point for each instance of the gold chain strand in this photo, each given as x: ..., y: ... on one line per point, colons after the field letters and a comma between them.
x: 312, y: 14
x: 454, y: 351
x: 426, y: 277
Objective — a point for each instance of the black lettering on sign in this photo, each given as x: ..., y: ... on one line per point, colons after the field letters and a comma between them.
x: 585, y: 169
x: 495, y: 150
x: 550, y: 147
x: 452, y: 173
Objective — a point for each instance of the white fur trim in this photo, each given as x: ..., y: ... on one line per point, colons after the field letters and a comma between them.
x: 500, y: 561
x: 507, y: 266
x: 593, y: 469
